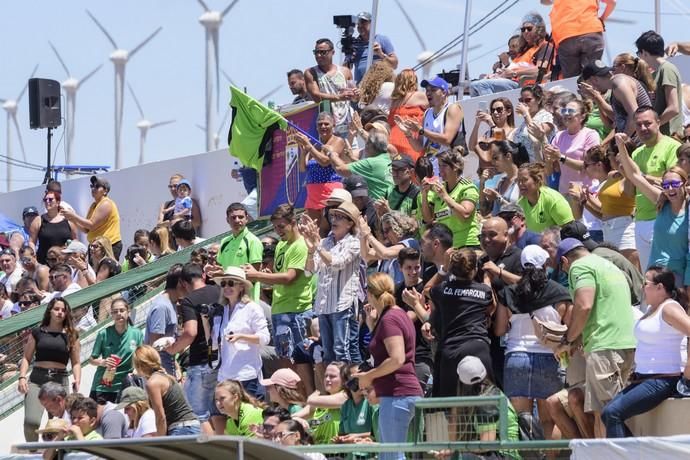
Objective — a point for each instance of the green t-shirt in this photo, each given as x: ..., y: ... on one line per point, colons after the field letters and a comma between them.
x: 92, y: 435
x: 653, y: 161
x: 551, y: 209
x: 297, y: 296
x: 403, y: 202
x: 109, y: 342
x: 249, y: 415
x: 293, y: 408
x: 242, y: 249
x: 610, y: 323
x: 465, y: 231
x: 376, y: 171
x: 325, y: 425
x: 667, y: 74
x: 125, y: 264
x: 355, y: 418
x: 595, y: 122
x: 486, y: 420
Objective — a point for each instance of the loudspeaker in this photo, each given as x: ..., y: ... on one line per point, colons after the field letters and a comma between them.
x: 44, y: 103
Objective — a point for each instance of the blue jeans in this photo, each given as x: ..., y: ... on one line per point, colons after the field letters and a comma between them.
x: 491, y: 85
x: 395, y: 413
x: 254, y: 388
x: 289, y: 335
x: 338, y: 331
x: 635, y: 399
x: 200, y: 390
x: 185, y: 430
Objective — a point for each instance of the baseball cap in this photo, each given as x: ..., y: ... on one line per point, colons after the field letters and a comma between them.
x: 403, y: 161
x: 284, y: 377
x: 356, y: 185
x: 578, y: 231
x: 29, y: 210
x: 100, y: 182
x: 381, y: 126
x: 75, y: 247
x: 364, y: 16
x: 131, y: 395
x: 339, y: 195
x: 184, y: 182
x: 436, y: 82
x: 471, y: 370
x: 4, y: 242
x: 568, y: 245
x: 510, y: 208
x: 595, y: 69
x: 371, y: 114
x: 535, y: 255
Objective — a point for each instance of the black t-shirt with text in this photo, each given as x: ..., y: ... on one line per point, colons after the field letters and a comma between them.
x: 461, y: 307
x: 190, y: 311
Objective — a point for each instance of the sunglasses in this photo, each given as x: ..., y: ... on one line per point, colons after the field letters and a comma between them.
x: 7, y: 252
x: 567, y: 112
x: 49, y: 436
x: 526, y: 100
x: 498, y: 109
x: 322, y: 52
x: 48, y: 200
x: 27, y: 303
x: 671, y: 184
x: 526, y: 29
x: 229, y: 283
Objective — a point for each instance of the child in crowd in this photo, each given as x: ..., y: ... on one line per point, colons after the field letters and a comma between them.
x: 242, y: 410
x: 182, y: 208
x: 356, y: 413
x: 84, y: 416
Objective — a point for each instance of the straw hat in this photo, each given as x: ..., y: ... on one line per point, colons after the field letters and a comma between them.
x: 348, y: 209
x: 235, y: 274
x: 54, y: 425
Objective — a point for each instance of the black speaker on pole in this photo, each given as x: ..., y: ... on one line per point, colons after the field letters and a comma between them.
x: 44, y: 103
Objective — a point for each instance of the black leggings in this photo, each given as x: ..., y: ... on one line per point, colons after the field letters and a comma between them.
x: 447, y: 358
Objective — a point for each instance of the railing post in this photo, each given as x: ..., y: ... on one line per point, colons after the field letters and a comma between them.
x: 503, y: 419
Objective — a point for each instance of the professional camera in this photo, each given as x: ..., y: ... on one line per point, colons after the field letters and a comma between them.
x: 347, y: 23
x: 210, y: 310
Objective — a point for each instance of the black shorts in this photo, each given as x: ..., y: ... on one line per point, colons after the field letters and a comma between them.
x: 446, y: 381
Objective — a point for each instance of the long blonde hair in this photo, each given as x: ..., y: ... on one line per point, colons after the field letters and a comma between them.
x: 378, y: 73
x: 234, y: 387
x: 107, y: 247
x: 637, y: 68
x: 405, y: 83
x: 139, y: 408
x: 380, y: 285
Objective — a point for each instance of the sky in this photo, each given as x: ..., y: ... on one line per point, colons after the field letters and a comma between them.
x: 260, y: 40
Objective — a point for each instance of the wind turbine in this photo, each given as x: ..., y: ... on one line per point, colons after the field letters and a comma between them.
x: 120, y: 57
x: 144, y: 125
x: 70, y: 86
x: 10, y: 106
x: 424, y: 56
x: 212, y: 20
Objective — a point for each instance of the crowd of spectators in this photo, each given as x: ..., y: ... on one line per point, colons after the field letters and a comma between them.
x: 550, y: 279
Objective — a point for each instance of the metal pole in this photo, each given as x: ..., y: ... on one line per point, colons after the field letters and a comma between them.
x: 462, y: 82
x: 657, y: 16
x: 46, y: 178
x: 372, y: 32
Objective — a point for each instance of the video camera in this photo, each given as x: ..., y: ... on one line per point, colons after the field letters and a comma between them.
x: 346, y: 22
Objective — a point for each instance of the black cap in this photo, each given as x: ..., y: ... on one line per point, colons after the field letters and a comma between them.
x: 403, y: 161
x: 356, y: 185
x: 510, y: 208
x: 578, y: 230
x: 100, y: 182
x: 595, y: 69
x: 372, y: 113
x: 29, y: 210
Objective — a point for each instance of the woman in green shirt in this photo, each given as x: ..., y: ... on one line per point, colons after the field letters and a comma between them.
x: 242, y: 410
x: 355, y: 413
x: 543, y: 207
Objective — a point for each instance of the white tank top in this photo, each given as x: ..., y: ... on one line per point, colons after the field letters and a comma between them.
x: 661, y: 349
x: 435, y: 124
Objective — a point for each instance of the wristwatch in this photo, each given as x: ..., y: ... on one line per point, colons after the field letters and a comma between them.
x: 562, y: 159
x: 421, y: 131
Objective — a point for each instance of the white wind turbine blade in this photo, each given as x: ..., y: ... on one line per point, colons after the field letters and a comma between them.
x: 161, y: 123
x: 200, y: 127
x: 21, y: 94
x: 148, y: 39
x: 203, y: 5
x: 225, y: 74
x: 411, y: 23
x: 3, y: 100
x: 456, y: 53
x: 223, y: 121
x: 100, y: 26
x: 621, y: 21
x: 62, y: 63
x: 136, y: 101
x: 19, y: 135
x: 270, y: 93
x: 89, y: 75
x: 230, y: 7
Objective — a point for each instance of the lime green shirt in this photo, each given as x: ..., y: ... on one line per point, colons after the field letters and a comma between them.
x: 325, y: 424
x: 295, y: 297
x: 376, y: 171
x: 249, y: 415
x: 550, y: 209
x: 465, y: 231
x: 610, y: 323
x: 109, y: 342
x: 242, y: 249
x: 653, y: 161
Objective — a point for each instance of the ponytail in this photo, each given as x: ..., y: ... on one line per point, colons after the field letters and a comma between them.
x: 532, y: 282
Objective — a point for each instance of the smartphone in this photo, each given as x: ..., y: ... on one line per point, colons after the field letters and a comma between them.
x: 483, y: 106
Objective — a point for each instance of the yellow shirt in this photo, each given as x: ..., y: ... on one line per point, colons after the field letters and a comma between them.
x: 110, y: 228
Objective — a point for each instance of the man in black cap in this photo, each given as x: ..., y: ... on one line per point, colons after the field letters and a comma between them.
x: 382, y: 49
x: 402, y: 196
x: 633, y: 276
x: 517, y: 229
x: 359, y: 190
x: 627, y: 94
x: 29, y: 214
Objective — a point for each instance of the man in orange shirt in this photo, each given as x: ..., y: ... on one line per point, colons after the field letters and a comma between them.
x: 578, y: 32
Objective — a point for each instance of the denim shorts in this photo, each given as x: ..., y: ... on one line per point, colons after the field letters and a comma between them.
x: 199, y: 388
x: 531, y: 375
x: 290, y: 336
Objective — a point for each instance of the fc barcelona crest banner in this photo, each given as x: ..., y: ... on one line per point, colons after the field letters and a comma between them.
x: 281, y: 180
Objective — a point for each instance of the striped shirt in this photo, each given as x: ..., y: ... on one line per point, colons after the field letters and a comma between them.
x: 338, y: 285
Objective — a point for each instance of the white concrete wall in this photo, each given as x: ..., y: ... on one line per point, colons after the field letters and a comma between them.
x: 140, y: 190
